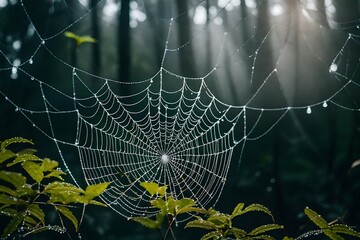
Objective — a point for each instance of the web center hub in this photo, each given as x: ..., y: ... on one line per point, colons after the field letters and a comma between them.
x: 165, y: 159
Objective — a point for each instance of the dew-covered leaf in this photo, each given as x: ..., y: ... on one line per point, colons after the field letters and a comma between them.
x: 25, y: 190
x: 66, y: 197
x: 48, y: 165
x: 185, y: 202
x: 201, y: 223
x: 62, y: 192
x: 16, y: 179
x: 94, y: 202
x: 153, y: 188
x: 237, y: 210
x: 10, y: 141
x: 23, y: 158
x: 263, y: 237
x: 69, y: 215
x: 56, y: 174
x: 62, y: 187
x: 237, y: 232
x: 37, y: 212
x: 220, y: 220
x: 6, y: 155
x: 95, y: 190
x: 13, y: 225
x: 27, y: 151
x: 34, y: 170
x: 258, y: 208
x: 6, y: 200
x: 316, y: 218
x: 147, y: 222
x: 211, y: 235
x: 332, y: 235
x: 10, y: 212
x: 341, y: 228
x: 193, y: 209
x: 158, y: 203
x: 7, y: 190
x: 265, y: 228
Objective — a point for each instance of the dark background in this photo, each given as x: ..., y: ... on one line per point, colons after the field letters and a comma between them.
x: 305, y: 160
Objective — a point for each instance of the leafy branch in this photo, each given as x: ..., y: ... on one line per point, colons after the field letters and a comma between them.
x: 28, y: 183
x: 220, y: 225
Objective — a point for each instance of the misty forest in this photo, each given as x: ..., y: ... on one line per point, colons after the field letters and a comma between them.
x: 180, y: 119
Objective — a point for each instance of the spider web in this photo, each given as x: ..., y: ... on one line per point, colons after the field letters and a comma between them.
x: 171, y: 128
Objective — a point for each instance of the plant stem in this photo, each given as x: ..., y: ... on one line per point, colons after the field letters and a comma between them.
x: 169, y: 229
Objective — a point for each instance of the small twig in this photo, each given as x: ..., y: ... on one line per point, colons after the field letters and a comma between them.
x: 82, y: 215
x: 55, y: 204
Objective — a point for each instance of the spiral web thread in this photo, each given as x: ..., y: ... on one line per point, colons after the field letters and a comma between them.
x: 170, y: 129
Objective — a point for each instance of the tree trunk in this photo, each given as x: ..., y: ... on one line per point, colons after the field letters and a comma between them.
x: 209, y: 63
x: 124, y: 58
x: 187, y: 63
x: 95, y: 32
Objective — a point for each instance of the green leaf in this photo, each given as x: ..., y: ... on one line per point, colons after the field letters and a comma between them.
x: 62, y: 192
x: 69, y: 215
x: 56, y: 174
x: 288, y: 238
x: 184, y: 203
x: 80, y: 39
x: 7, y: 190
x: 153, y: 188
x: 6, y: 154
x: 158, y: 203
x: 263, y: 237
x: 25, y: 190
x: 37, y: 212
x: 211, y: 235
x: 93, y: 202
x: 13, y: 225
x: 258, y: 208
x: 48, y: 165
x: 34, y: 170
x: 66, y: 197
x: 16, y: 179
x: 237, y: 210
x: 27, y: 151
x: 147, y: 222
x: 160, y: 216
x: 23, y: 158
x: 193, y: 209
x: 220, y: 220
x: 322, y: 224
x: 341, y: 228
x: 332, y: 235
x: 6, y: 200
x: 30, y: 221
x: 170, y: 206
x: 56, y: 186
x: 316, y: 218
x: 237, y: 232
x: 201, y: 223
x: 265, y: 228
x: 8, y: 212
x: 95, y: 190
x: 10, y: 141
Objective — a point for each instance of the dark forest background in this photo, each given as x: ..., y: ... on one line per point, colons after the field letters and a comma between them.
x: 305, y: 160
